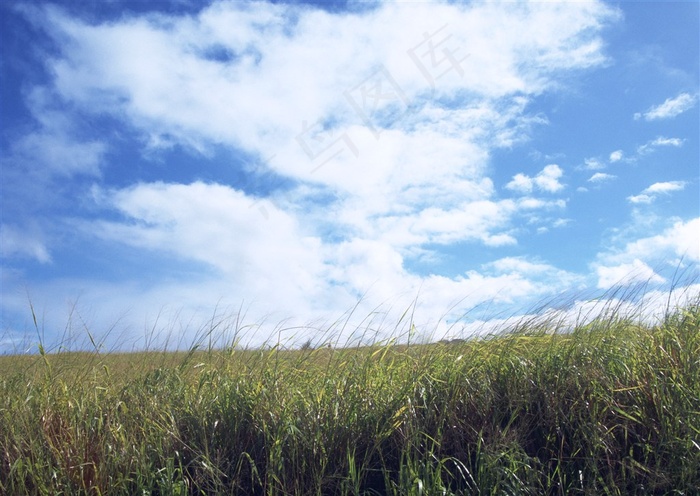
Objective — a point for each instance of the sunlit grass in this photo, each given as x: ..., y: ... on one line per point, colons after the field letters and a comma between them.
x: 610, y: 407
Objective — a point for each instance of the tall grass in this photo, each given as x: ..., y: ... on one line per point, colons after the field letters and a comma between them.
x: 609, y: 407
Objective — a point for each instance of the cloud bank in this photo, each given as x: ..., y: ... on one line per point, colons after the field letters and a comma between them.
x: 362, y: 145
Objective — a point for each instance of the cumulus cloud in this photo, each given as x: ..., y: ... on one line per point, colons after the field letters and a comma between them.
x: 616, y: 156
x: 521, y: 183
x: 351, y: 108
x: 675, y: 246
x: 277, y: 260
x: 670, y: 108
x: 546, y: 180
x: 217, y: 226
x: 164, y: 78
x: 650, y: 262
x: 629, y: 273
x: 362, y: 127
x: 681, y: 240
x: 593, y: 164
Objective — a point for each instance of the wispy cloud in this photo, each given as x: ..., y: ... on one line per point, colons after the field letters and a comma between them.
x: 652, y: 145
x: 665, y: 187
x: 601, y: 177
x: 619, y: 156
x: 56, y: 146
x: 670, y: 108
x: 593, y: 163
x: 25, y: 241
x: 648, y: 195
x: 641, y: 198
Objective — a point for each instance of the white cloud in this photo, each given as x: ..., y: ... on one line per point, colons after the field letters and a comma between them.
x: 649, y: 194
x: 158, y: 74
x: 593, y: 164
x: 47, y: 153
x: 641, y: 198
x: 23, y: 242
x: 681, y: 240
x: 665, y: 187
x: 655, y: 143
x: 662, y: 141
x: 601, y: 177
x: 546, y: 180
x: 670, y: 108
x: 275, y: 262
x: 653, y: 259
x: 37, y: 169
x: 521, y: 183
x: 623, y: 274
x: 415, y: 162
x: 616, y: 156
x: 54, y: 147
x: 474, y: 220
x: 520, y: 265
x: 648, y: 306
x: 675, y: 246
x: 411, y: 169
x: 222, y: 228
x: 645, y: 149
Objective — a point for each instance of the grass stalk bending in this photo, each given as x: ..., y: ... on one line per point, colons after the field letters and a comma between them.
x: 611, y: 407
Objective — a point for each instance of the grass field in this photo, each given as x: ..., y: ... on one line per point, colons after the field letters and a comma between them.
x: 611, y: 407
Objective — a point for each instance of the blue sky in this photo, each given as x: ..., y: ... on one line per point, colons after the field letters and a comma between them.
x: 169, y: 165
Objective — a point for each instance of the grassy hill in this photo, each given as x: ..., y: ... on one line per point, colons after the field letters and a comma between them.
x: 612, y: 407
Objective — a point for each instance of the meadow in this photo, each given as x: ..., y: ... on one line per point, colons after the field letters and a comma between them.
x: 611, y: 406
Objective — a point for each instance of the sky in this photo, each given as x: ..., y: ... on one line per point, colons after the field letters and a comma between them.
x: 175, y: 172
